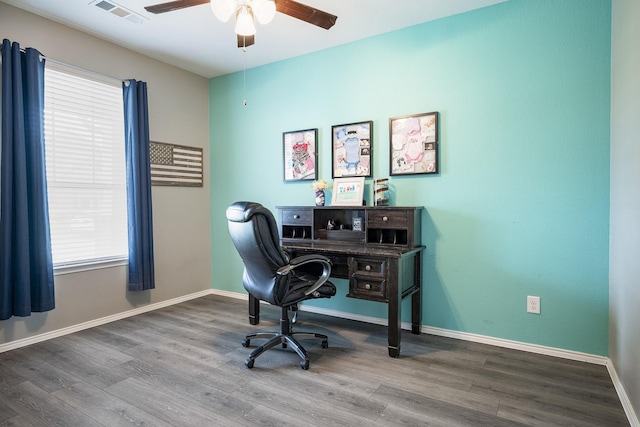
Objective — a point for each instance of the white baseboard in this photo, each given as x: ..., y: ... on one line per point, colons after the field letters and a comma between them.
x: 532, y: 348
x: 97, y: 322
x: 516, y: 345
x: 236, y: 295
x: 622, y: 394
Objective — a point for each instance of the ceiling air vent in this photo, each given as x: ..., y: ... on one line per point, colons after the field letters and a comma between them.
x: 105, y: 5
x: 119, y: 11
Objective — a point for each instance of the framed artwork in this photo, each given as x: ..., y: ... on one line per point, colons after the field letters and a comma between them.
x: 351, y: 149
x: 413, y: 141
x: 300, y: 155
x: 347, y: 191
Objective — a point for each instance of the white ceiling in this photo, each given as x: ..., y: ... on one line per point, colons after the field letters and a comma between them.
x: 194, y: 40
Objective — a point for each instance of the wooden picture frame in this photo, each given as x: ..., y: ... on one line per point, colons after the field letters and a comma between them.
x: 347, y: 191
x: 413, y: 144
x: 352, y: 149
x: 300, y: 155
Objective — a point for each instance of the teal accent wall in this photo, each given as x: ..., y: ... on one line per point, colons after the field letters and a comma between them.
x: 521, y: 205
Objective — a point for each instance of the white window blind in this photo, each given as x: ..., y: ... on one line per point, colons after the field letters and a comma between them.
x: 85, y: 160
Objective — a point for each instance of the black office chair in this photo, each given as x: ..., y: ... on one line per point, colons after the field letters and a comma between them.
x: 269, y: 275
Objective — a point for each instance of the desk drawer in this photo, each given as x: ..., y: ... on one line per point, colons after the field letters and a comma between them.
x: 367, y: 288
x: 386, y: 219
x: 369, y: 267
x: 367, y: 278
x: 296, y: 217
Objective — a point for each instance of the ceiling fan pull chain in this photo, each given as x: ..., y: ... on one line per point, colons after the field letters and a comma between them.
x: 244, y: 76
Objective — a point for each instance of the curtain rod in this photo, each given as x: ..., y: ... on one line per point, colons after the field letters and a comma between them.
x: 84, y: 70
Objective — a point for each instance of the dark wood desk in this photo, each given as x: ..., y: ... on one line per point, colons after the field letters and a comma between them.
x: 381, y: 257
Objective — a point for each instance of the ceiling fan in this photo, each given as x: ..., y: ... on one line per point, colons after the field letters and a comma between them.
x: 245, y: 11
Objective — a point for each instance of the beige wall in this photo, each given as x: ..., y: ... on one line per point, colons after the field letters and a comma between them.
x: 178, y: 113
x: 624, y: 268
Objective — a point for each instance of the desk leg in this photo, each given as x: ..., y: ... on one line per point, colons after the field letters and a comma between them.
x: 254, y: 310
x: 416, y: 313
x: 416, y: 298
x: 394, y: 329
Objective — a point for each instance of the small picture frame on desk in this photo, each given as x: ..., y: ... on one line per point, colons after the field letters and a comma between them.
x: 347, y: 191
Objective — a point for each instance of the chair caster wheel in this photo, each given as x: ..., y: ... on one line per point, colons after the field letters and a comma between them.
x: 245, y: 343
x: 325, y: 344
x: 304, y: 365
x: 249, y: 363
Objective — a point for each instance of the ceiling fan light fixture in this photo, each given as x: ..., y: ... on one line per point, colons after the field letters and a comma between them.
x: 244, y: 22
x: 223, y: 9
x: 264, y: 10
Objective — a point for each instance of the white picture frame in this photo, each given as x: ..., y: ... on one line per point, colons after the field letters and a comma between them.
x: 347, y: 191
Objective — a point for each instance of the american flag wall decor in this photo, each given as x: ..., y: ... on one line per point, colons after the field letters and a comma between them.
x: 176, y: 165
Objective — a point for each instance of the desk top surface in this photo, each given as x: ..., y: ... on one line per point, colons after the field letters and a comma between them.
x: 344, y: 248
x: 352, y: 207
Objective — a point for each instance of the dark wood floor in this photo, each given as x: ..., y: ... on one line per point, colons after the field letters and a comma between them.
x: 183, y: 366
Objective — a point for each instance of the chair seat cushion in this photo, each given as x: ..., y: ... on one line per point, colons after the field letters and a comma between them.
x: 297, y: 290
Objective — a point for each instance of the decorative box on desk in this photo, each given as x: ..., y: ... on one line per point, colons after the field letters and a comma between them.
x: 378, y: 249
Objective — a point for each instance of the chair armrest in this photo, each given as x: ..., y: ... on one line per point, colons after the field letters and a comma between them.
x: 307, y: 259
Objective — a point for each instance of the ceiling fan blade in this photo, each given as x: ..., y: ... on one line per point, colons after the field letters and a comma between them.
x: 306, y: 13
x: 245, y: 41
x: 173, y: 5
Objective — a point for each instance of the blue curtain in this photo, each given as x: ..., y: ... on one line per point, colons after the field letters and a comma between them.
x: 26, y: 273
x: 136, y: 125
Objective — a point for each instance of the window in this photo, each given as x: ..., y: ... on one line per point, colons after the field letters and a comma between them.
x: 85, y: 160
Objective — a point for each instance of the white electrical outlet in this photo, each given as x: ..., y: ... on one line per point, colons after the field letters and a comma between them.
x: 533, y: 305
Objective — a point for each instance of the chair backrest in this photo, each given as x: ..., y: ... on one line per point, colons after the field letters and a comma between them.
x: 254, y: 233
